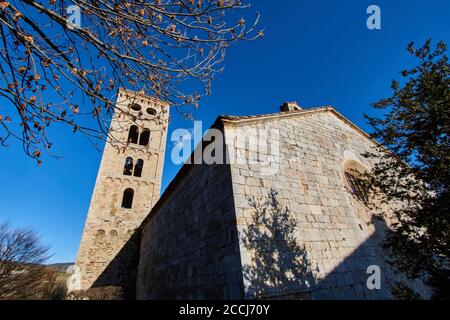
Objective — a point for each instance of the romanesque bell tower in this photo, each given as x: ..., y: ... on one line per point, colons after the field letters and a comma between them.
x: 128, y: 185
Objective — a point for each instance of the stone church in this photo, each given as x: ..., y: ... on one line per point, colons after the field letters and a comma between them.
x: 291, y: 223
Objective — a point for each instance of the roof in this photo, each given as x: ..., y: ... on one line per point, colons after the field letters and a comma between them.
x: 287, y: 114
x: 224, y: 120
x: 263, y: 116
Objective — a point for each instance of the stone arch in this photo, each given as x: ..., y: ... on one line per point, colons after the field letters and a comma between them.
x: 133, y: 134
x: 349, y: 155
x: 99, y: 235
x: 135, y: 183
x: 144, y: 138
x: 127, y: 199
x: 113, y: 233
x: 138, y: 168
x: 354, y: 172
x: 353, y: 175
x: 128, y: 167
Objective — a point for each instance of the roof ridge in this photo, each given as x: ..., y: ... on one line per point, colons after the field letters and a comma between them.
x: 275, y: 114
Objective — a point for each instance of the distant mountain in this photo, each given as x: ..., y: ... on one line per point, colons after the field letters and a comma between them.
x: 61, y: 267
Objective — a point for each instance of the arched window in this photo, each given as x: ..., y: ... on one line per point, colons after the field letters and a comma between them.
x: 127, y: 200
x: 133, y: 134
x: 138, y: 168
x: 145, y: 137
x: 354, y: 176
x: 128, y: 168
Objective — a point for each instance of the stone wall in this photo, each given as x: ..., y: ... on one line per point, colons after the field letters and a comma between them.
x: 336, y: 237
x: 279, y: 222
x: 189, y: 247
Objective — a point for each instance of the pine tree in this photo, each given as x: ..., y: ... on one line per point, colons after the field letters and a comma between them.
x: 415, y: 128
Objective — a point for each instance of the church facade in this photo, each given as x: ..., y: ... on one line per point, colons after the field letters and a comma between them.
x: 282, y: 215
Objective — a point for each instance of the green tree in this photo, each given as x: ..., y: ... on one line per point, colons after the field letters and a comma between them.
x: 415, y: 128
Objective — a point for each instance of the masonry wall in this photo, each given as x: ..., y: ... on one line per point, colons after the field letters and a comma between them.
x: 189, y: 247
x: 336, y: 237
x: 109, y: 248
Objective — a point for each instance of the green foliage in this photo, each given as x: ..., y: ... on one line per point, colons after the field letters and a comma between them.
x: 403, y: 292
x: 415, y: 128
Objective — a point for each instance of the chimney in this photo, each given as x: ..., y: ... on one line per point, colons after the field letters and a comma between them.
x: 290, y: 106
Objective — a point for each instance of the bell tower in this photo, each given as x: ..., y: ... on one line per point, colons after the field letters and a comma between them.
x: 128, y: 185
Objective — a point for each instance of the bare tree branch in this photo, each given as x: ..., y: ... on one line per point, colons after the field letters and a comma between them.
x: 158, y: 47
x: 21, y: 263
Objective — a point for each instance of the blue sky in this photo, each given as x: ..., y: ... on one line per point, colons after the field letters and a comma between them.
x: 314, y: 52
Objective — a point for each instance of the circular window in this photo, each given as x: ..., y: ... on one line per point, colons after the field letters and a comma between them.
x: 151, y: 111
x: 136, y: 107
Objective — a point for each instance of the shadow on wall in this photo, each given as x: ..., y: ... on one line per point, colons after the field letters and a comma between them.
x: 349, y: 279
x: 275, y: 266
x: 122, y: 270
x: 278, y: 265
x: 190, y: 246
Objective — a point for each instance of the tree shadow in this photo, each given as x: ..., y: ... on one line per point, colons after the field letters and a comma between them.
x: 348, y: 280
x: 278, y: 266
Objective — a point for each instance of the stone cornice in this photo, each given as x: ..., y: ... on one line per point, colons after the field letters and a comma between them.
x: 141, y: 95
